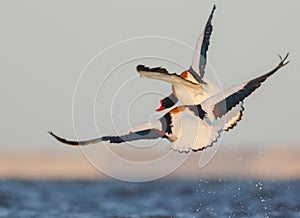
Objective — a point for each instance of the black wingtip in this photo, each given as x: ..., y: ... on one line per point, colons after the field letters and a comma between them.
x: 65, y: 141
x: 154, y: 69
x: 283, y: 61
x: 213, y: 10
x: 55, y: 136
x: 212, y: 13
x: 140, y: 67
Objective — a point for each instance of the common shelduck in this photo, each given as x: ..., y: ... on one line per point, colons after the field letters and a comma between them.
x: 192, y: 127
x: 190, y: 87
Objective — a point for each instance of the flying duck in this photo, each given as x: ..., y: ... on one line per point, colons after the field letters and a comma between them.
x: 190, y: 87
x: 192, y: 127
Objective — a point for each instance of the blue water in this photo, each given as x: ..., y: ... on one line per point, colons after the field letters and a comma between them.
x: 164, y: 198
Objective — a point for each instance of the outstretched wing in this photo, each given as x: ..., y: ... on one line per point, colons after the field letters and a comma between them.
x: 132, y: 136
x: 200, y: 55
x: 154, y: 130
x: 224, y: 110
x: 237, y: 94
x: 160, y: 73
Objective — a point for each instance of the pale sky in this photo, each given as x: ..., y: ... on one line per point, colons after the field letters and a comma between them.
x: 45, y: 45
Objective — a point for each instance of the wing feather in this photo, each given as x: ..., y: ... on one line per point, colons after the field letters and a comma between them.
x: 160, y: 73
x: 154, y: 130
x: 131, y: 136
x: 200, y: 55
x: 241, y: 92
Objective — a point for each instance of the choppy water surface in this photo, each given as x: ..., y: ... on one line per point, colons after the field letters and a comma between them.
x: 164, y: 198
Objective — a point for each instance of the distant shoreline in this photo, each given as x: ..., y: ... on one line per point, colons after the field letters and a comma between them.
x: 276, y: 163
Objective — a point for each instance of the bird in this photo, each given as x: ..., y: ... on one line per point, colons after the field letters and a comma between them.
x: 192, y: 127
x: 190, y: 87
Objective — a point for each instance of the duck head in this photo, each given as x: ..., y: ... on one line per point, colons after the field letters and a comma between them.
x: 167, y: 102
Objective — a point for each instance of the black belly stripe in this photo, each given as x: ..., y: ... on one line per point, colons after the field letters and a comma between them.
x: 166, y: 123
x: 198, y: 111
